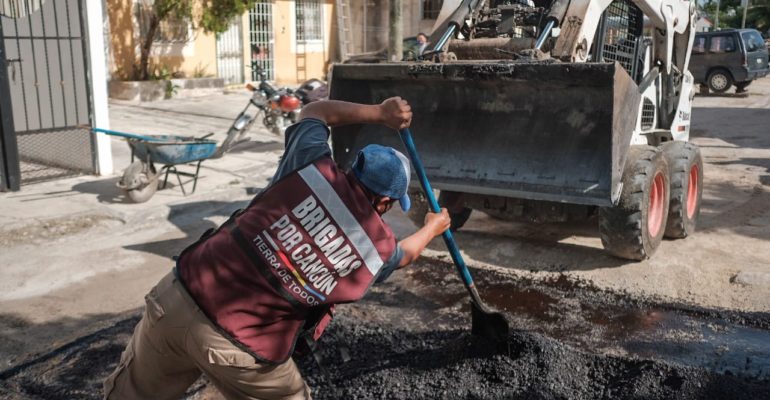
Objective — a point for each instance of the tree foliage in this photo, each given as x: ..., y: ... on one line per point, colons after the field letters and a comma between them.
x: 759, y: 15
x: 213, y: 16
x: 217, y: 14
x: 731, y: 14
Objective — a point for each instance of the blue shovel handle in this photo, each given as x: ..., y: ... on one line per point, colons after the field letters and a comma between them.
x: 127, y: 135
x: 406, y: 137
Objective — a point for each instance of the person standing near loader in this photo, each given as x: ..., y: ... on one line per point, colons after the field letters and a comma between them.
x: 244, y: 295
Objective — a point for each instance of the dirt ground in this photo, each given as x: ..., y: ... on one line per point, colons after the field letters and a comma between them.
x: 692, y: 322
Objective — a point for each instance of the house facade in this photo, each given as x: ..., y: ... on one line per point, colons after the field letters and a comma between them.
x: 370, y: 21
x: 296, y: 39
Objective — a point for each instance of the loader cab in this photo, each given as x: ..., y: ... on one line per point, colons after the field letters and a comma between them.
x: 620, y: 38
x: 728, y: 57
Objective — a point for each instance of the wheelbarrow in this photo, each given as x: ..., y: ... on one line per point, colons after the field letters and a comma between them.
x: 140, y: 179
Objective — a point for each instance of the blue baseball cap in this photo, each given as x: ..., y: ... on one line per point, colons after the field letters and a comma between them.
x: 384, y: 171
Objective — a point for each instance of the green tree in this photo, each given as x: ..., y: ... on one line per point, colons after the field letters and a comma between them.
x: 215, y: 17
x: 758, y: 15
x: 729, y: 12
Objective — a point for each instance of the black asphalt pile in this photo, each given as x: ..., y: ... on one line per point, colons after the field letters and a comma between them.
x: 359, y: 360
x: 410, y: 339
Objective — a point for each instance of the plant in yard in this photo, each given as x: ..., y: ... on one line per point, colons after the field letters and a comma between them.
x: 160, y: 73
x: 170, y: 90
x: 200, y: 71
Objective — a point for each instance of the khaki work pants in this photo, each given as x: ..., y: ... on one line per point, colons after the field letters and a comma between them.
x: 174, y: 342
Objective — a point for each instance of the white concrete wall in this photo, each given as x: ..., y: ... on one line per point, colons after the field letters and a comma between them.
x: 97, y: 30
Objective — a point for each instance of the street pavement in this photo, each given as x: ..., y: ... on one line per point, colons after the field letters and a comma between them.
x: 76, y: 255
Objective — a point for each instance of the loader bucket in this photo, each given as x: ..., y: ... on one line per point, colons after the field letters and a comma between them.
x: 540, y: 131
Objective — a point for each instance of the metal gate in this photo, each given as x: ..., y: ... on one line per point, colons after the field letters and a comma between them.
x: 45, y: 77
x: 230, y: 53
x: 261, y: 34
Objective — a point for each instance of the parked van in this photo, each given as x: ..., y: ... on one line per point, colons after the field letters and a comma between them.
x: 728, y: 57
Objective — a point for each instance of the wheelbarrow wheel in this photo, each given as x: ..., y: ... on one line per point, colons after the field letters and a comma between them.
x: 143, y: 194
x: 139, y: 181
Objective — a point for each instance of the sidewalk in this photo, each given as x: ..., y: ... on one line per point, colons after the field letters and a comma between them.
x: 238, y: 173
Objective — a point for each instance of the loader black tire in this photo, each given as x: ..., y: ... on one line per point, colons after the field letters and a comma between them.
x: 141, y: 195
x: 419, y: 207
x: 633, y: 229
x: 458, y: 213
x: 686, y: 168
x: 139, y: 181
x: 459, y: 218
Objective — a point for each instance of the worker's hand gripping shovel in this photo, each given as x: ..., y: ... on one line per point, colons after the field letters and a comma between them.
x: 484, y: 321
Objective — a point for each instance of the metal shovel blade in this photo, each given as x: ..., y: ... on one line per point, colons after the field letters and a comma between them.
x: 488, y: 324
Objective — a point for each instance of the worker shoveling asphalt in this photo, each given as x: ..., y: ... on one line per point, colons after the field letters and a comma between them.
x: 267, y: 280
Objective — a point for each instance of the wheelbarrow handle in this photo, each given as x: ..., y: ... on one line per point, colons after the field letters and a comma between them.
x: 454, y: 251
x: 127, y: 135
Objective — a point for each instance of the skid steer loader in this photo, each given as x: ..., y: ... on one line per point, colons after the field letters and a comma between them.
x: 550, y: 111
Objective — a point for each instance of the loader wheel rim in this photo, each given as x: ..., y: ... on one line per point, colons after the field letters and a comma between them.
x: 655, y: 210
x: 692, y: 192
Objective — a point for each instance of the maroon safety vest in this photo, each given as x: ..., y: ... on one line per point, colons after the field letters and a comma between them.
x: 309, y: 241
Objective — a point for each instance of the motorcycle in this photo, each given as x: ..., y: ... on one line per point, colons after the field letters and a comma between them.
x: 280, y: 106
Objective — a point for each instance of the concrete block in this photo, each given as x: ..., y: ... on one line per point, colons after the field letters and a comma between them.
x: 137, y: 91
x: 141, y: 91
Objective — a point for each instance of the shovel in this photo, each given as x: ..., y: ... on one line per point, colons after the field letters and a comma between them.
x: 485, y: 322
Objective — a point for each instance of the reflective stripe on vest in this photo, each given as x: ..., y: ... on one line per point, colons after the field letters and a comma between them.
x: 342, y: 216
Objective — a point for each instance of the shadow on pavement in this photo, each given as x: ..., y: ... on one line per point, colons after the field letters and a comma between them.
x: 106, y: 190
x: 256, y: 147
x: 522, y: 245
x: 746, y: 218
x: 742, y: 127
x: 727, y: 95
x: 189, y: 218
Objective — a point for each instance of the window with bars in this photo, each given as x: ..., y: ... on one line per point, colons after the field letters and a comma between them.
x: 648, y: 115
x: 261, y: 35
x: 309, y: 20
x: 170, y: 30
x: 431, y: 8
x: 19, y: 8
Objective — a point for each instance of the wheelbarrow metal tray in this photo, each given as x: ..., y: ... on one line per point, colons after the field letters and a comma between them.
x: 170, y: 150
